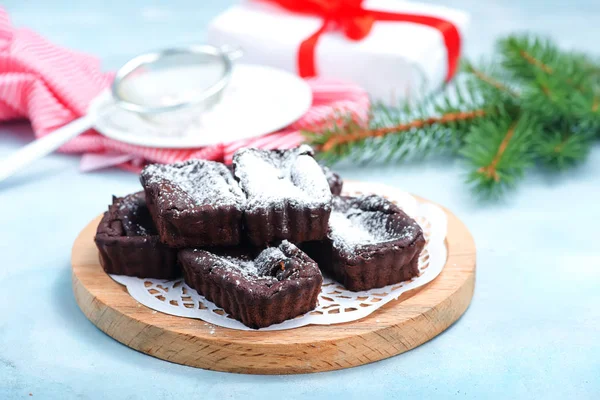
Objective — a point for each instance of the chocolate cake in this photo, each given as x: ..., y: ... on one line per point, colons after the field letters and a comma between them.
x: 334, y: 180
x: 128, y: 241
x: 288, y: 196
x: 194, y: 203
x: 371, y: 243
x: 232, y: 229
x: 258, y: 288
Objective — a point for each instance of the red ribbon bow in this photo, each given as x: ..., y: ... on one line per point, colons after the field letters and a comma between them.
x: 356, y: 23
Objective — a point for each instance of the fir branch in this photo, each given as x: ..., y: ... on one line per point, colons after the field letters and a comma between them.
x: 531, y: 60
x: 394, y: 133
x: 498, y: 153
x: 490, y: 171
x: 561, y: 148
x: 522, y: 55
x: 488, y: 79
x: 341, y: 138
x: 532, y: 103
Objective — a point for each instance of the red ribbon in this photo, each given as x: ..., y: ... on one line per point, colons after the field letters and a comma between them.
x: 356, y: 22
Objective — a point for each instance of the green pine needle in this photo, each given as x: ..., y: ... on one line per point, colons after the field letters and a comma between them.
x: 560, y: 150
x: 531, y: 104
x: 498, y: 152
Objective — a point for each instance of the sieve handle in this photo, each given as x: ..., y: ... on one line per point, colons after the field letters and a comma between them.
x: 44, y: 146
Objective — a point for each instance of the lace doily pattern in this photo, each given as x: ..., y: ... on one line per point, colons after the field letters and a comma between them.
x: 336, y: 304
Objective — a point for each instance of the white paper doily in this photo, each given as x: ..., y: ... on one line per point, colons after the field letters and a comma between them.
x: 336, y: 304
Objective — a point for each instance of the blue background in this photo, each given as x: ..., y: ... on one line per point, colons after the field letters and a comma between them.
x: 532, y: 331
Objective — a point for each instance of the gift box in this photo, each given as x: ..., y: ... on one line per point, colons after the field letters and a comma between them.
x: 394, y: 49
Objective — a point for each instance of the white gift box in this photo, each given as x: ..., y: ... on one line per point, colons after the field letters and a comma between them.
x: 395, y: 61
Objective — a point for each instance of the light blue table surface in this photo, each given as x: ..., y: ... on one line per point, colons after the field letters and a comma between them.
x: 532, y: 330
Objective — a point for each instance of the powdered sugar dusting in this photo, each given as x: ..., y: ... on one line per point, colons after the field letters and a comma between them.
x: 333, y: 179
x: 259, y: 267
x: 203, y: 183
x: 132, y: 228
x: 245, y: 266
x: 351, y: 227
x: 345, y: 232
x: 373, y: 203
x: 271, y: 178
x: 135, y: 217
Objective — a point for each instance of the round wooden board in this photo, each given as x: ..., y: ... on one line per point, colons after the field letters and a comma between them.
x: 401, y: 325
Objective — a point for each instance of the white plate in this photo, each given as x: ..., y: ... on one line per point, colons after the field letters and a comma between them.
x: 258, y: 100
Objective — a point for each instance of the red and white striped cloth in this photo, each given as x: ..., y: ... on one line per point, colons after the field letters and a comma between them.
x: 51, y: 85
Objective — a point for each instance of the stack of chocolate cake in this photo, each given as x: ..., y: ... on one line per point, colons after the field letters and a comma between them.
x: 254, y: 238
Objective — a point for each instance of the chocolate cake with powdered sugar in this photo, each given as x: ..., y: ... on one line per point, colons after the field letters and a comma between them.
x: 288, y: 196
x: 128, y: 242
x: 259, y: 288
x: 233, y: 230
x: 370, y: 243
x: 194, y: 203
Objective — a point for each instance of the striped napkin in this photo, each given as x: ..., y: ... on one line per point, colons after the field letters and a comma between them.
x: 51, y: 85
